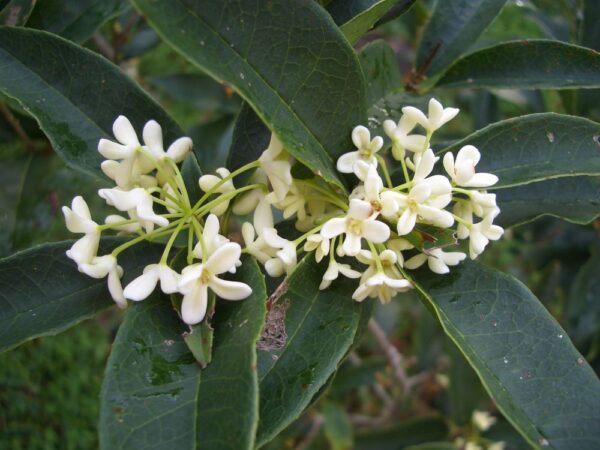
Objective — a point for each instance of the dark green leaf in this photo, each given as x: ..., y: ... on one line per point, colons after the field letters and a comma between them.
x: 43, y: 72
x: 576, y: 199
x: 191, y: 173
x: 535, y: 64
x: 250, y: 138
x: 536, y: 147
x: 381, y: 70
x: 155, y: 395
x: 398, y: 437
x: 320, y: 328
x: 42, y: 292
x: 338, y: 428
x: 397, y: 10
x: 16, y: 12
x: 75, y: 20
x: 198, y: 90
x: 454, y: 26
x: 525, y: 360
x: 297, y: 71
x: 390, y: 107
x: 212, y: 141
x: 590, y: 32
x: 427, y: 237
x: 13, y: 173
x: 356, y: 17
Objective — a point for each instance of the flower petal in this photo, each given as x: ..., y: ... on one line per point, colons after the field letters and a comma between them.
x: 124, y: 132
x: 194, y: 304
x: 229, y: 290
x: 141, y: 287
x: 345, y: 163
x: 333, y: 227
x: 223, y: 258
x: 180, y: 148
x: 153, y: 138
x: 375, y: 231
x: 482, y: 180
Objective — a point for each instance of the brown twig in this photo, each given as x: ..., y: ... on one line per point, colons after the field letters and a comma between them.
x: 16, y: 126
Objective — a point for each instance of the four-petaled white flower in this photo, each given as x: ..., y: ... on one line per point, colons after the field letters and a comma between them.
x: 483, y: 420
x: 209, y: 182
x: 255, y: 245
x: 333, y: 271
x: 359, y: 223
x: 137, y: 202
x: 196, y: 279
x: 100, y: 267
x: 79, y: 220
x: 142, y: 286
x: 462, y: 170
x: 481, y: 233
x: 437, y: 260
x: 286, y: 258
x: 437, y: 117
x: 367, y: 149
x: 318, y: 244
x: 276, y: 164
x: 383, y: 282
x: 401, y: 138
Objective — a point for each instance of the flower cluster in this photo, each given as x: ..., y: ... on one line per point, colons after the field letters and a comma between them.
x: 481, y: 422
x: 393, y: 220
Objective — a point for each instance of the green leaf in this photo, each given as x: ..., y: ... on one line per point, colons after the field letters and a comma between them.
x: 528, y: 364
x: 427, y: 237
x: 356, y: 17
x: 43, y: 72
x: 536, y: 147
x: 590, y: 33
x: 198, y: 90
x: 191, y: 173
x: 453, y: 27
x: 320, y: 328
x: 531, y: 64
x: 397, y: 10
x: 154, y: 393
x: 212, y: 141
x: 42, y: 292
x: 576, y: 199
x: 338, y: 428
x: 16, y: 12
x: 406, y: 433
x: 75, y: 20
x: 381, y: 70
x: 297, y: 71
x: 13, y: 173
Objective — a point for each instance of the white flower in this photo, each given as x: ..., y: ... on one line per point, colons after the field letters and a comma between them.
x: 286, y: 259
x: 277, y: 166
x: 462, y: 171
x: 424, y: 202
x: 483, y: 420
x: 208, y: 182
x: 102, y: 266
x: 255, y: 244
x: 153, y: 139
x: 138, y: 202
x: 84, y: 249
x: 423, y: 165
x: 126, y: 136
x: 115, y: 221
x: 437, y: 260
x: 333, y: 271
x: 294, y: 203
x: 367, y: 149
x: 198, y: 278
x: 359, y: 223
x: 481, y: 233
x: 401, y: 139
x: 79, y: 220
x: 497, y: 446
x: 376, y: 283
x: 128, y: 173
x: 211, y: 239
x: 318, y: 243
x: 142, y: 286
x: 438, y: 115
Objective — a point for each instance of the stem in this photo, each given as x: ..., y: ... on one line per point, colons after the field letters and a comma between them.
x: 232, y: 175
x: 108, y: 226
x: 146, y: 236
x: 225, y: 197
x: 375, y: 256
x: 165, y: 255
x: 307, y: 234
x: 462, y: 221
x: 384, y: 169
x: 190, y: 252
x: 198, y: 230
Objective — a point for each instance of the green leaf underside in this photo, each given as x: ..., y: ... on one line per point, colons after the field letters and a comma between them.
x: 75, y: 20
x: 42, y: 292
x: 536, y: 147
x: 525, y: 360
x: 16, y: 12
x: 356, y: 17
x: 454, y: 25
x: 381, y: 70
x: 320, y: 327
x: 45, y: 74
x: 155, y: 395
x: 296, y: 69
x: 576, y: 199
x: 535, y: 64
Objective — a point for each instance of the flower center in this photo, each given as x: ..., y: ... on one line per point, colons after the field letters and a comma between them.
x: 354, y: 226
x: 205, y: 276
x: 376, y: 205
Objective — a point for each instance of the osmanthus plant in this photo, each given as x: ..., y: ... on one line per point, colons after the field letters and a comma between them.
x: 246, y: 287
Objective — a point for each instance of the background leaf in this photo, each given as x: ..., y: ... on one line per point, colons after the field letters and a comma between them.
x: 42, y: 292
x: 44, y: 73
x: 16, y: 12
x: 154, y: 393
x: 536, y: 147
x: 535, y: 64
x: 454, y: 26
x: 356, y: 17
x: 576, y: 199
x: 541, y: 383
x: 298, y: 72
x: 381, y: 70
x: 409, y: 432
x: 75, y: 20
x: 320, y: 328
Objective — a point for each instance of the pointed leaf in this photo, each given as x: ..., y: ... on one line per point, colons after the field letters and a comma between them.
x: 536, y: 147
x: 320, y: 328
x: 44, y: 73
x: 154, y: 393
x: 356, y: 17
x: 535, y: 64
x: 381, y: 70
x: 42, y: 292
x: 453, y: 27
x: 528, y: 364
x: 297, y: 70
x: 576, y: 199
